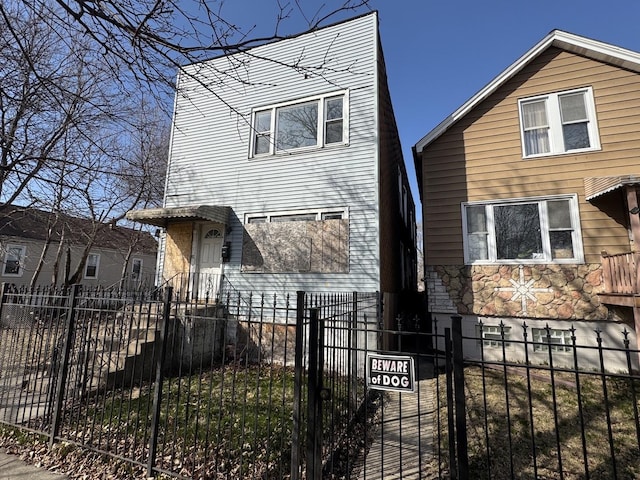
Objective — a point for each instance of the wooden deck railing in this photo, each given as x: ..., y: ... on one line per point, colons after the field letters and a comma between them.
x: 620, y: 272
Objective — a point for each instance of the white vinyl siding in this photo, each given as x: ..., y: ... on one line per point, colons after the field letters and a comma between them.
x: 558, y: 123
x: 212, y: 160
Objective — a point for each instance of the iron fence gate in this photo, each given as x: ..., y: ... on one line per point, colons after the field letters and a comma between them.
x: 366, y: 426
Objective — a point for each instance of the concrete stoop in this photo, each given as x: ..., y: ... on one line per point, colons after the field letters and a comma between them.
x: 117, y: 362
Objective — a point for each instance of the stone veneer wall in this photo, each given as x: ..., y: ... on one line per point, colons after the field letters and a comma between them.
x: 563, y: 292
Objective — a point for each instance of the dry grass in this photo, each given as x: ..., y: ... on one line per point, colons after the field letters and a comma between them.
x: 506, y: 425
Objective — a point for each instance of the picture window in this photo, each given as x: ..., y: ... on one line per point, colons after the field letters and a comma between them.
x: 538, y: 230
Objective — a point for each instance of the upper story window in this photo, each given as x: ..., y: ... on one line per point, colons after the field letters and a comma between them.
x: 91, y: 267
x: 14, y: 260
x: 537, y: 230
x: 313, y: 122
x: 558, y: 123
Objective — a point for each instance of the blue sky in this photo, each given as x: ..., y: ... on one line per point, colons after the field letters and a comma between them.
x: 440, y: 53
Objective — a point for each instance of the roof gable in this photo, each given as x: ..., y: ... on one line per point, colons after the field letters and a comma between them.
x: 579, y: 45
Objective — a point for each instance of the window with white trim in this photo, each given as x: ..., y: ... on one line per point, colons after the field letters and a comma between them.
x: 92, y: 265
x: 558, y: 123
x: 14, y: 260
x: 557, y: 340
x: 289, y: 216
x: 534, y: 230
x: 310, y: 123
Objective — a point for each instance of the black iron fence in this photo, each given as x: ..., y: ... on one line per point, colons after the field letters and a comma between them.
x: 312, y: 386
x: 187, y: 388
x: 540, y: 403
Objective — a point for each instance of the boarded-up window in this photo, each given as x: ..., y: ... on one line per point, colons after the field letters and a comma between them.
x: 296, y: 246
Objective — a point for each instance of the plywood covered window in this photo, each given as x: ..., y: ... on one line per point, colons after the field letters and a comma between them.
x: 557, y: 123
x: 308, y: 123
x: 531, y: 230
x: 296, y: 242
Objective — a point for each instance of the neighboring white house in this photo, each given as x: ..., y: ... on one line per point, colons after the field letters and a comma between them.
x: 286, y: 173
x: 50, y: 246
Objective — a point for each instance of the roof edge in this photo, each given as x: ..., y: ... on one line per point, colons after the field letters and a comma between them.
x: 587, y: 47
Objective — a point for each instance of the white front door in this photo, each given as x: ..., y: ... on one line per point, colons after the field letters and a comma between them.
x: 210, y: 262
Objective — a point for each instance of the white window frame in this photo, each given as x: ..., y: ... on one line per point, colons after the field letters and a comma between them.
x: 297, y: 215
x: 87, y: 264
x: 321, y: 128
x: 554, y: 120
x: 576, y: 233
x: 22, y: 255
x: 540, y: 344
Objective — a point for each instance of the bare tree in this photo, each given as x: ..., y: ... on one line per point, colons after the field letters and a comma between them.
x: 126, y: 173
x: 81, y: 127
x: 147, y: 41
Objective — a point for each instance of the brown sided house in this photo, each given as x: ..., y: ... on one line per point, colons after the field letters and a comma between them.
x: 530, y: 198
x: 42, y: 248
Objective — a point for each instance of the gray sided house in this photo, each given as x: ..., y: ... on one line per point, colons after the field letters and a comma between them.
x: 286, y: 172
x: 39, y: 248
x: 530, y: 203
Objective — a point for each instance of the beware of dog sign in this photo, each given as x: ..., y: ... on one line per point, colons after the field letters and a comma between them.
x: 391, y: 372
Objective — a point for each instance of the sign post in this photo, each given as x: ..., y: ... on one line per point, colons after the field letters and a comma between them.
x: 391, y: 372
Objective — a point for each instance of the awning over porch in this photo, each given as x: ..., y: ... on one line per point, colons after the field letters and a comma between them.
x: 160, y: 217
x: 597, y: 186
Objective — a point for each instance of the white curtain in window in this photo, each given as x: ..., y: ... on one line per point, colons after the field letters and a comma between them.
x: 536, y: 127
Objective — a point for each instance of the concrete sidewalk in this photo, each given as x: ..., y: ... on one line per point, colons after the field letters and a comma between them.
x: 12, y: 468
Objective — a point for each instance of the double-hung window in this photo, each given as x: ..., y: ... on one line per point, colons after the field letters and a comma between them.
x: 14, y: 261
x: 313, y: 122
x: 533, y: 230
x: 92, y: 265
x: 558, y: 123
